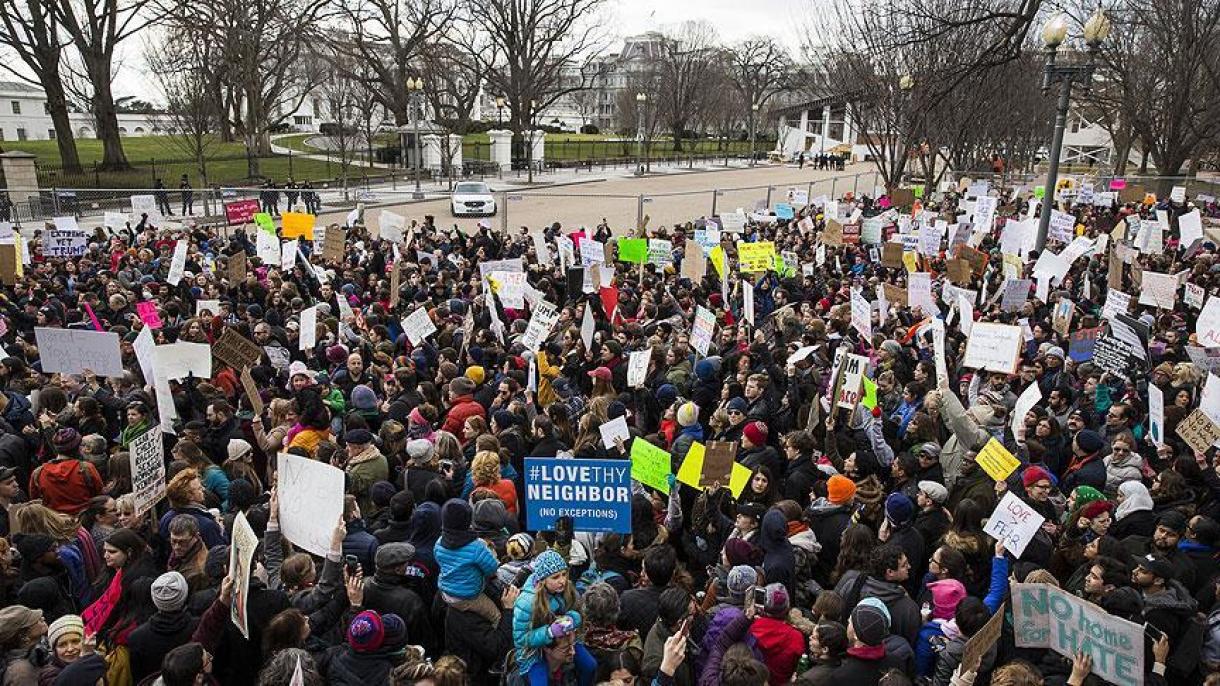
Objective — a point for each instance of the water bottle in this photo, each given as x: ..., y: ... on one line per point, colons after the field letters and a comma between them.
x: 804, y: 664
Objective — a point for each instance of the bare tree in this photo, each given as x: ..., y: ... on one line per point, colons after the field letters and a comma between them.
x: 382, y: 41
x: 96, y: 28
x: 30, y: 29
x: 585, y: 102
x: 452, y: 84
x: 341, y: 95
x: 186, y: 71
x: 264, y: 49
x: 758, y: 69
x: 529, y: 49
x: 1162, y: 71
x: 687, y: 68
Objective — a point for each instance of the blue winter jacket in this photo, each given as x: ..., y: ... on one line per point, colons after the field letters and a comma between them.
x: 463, y: 570
x: 527, y: 638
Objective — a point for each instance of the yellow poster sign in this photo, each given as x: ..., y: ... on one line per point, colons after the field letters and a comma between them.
x: 297, y: 225
x: 755, y: 257
x: 995, y: 459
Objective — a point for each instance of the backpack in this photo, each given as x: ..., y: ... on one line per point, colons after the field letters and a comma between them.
x: 85, y: 476
x: 593, y: 575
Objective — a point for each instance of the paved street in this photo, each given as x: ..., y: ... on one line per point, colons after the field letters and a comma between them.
x: 672, y: 197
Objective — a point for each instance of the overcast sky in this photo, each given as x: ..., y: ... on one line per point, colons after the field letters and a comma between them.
x: 734, y: 20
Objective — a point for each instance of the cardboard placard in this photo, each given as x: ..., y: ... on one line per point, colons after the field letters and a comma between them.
x: 717, y: 463
x: 891, y: 255
x: 895, y: 295
x: 960, y: 271
x: 332, y: 246
x: 237, y: 267
x: 1198, y: 430
x: 236, y: 350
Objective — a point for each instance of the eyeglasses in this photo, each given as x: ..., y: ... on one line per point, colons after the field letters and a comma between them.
x: 735, y: 412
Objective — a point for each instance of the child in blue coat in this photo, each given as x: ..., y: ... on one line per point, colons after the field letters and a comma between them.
x: 544, y: 613
x: 465, y: 562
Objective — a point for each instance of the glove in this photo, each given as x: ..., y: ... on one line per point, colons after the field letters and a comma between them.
x: 559, y: 629
x: 671, y: 480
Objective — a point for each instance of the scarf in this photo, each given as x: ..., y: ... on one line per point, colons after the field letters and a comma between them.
x: 131, y: 432
x: 867, y: 652
x: 95, y: 615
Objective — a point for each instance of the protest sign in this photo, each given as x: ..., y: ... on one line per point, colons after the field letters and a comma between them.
x: 1081, y: 343
x: 1159, y: 290
x: 853, y: 371
x: 297, y: 225
x: 391, y: 227
x: 288, y: 254
x: 718, y: 463
x: 236, y: 350
x: 1028, y: 398
x: 177, y: 265
x: 1061, y: 227
x: 1207, y: 326
x: 919, y: 293
x: 147, y: 470
x: 591, y: 252
x: 1061, y: 317
x: 701, y: 331
x: 247, y: 384
x: 237, y: 266
x: 1116, y: 302
x: 1121, y: 349
x: 265, y: 223
x: 993, y: 347
x: 983, y: 639
x: 1195, y: 295
x: 891, y: 255
x: 309, y: 328
x: 747, y: 302
x: 784, y: 210
x: 862, y: 314
x: 660, y: 252
x: 541, y: 322
x: 894, y: 295
x: 183, y: 358
x: 509, y: 287
x: 144, y: 204
x: 1044, y: 616
x: 650, y: 465
x: 209, y: 306
x: 1016, y: 292
x: 333, y: 245
x: 637, y: 367
x: 418, y: 326
x: 279, y: 356
x: 614, y: 429
x: 64, y: 243
x: 267, y: 248
x: 241, y: 557
x: 995, y: 459
x: 1190, y: 227
x: 633, y: 250
x: 1198, y: 430
x: 241, y: 211
x: 147, y: 312
x: 1206, y: 359
x: 311, y: 501
x: 755, y: 257
x: 959, y: 271
x: 1156, y: 414
x: 1013, y: 523
x: 72, y: 351
x: 596, y: 494
x: 832, y: 234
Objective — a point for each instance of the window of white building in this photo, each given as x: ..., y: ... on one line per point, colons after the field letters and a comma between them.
x: 16, y: 106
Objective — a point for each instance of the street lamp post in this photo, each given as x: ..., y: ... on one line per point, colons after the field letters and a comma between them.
x: 640, y: 100
x: 1096, y: 30
x: 499, y: 111
x: 529, y: 141
x: 753, y: 126
x: 415, y: 91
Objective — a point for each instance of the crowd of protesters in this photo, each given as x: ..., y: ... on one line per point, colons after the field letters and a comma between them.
x: 854, y: 555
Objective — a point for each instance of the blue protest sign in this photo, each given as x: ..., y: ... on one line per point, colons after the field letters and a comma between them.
x: 784, y: 211
x: 596, y: 494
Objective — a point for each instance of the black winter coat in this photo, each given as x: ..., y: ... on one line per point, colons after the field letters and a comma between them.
x: 150, y: 641
x: 388, y: 593
x: 482, y: 646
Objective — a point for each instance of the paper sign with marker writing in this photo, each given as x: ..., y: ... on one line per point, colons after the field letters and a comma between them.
x: 637, y: 367
x: 182, y: 359
x: 1207, y: 326
x: 147, y: 470
x: 1198, y: 430
x: 311, y: 501
x: 993, y: 347
x: 614, y: 429
x: 1159, y: 290
x: 650, y: 465
x: 1029, y: 397
x: 995, y: 459
x: 755, y: 257
x: 1014, y: 523
x: 1044, y: 616
x: 72, y: 351
x: 147, y: 312
x: 418, y: 326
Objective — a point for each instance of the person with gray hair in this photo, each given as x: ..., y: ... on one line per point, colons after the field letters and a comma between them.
x: 603, y: 638
x: 283, y: 664
x: 93, y: 450
x: 188, y: 554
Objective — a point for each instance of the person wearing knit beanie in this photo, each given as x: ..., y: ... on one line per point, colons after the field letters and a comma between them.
x: 739, y: 581
x: 1096, y: 508
x: 1081, y: 496
x: 169, y: 592
x: 899, y: 510
x: 66, y: 441
x: 1089, y: 442
x: 1034, y: 474
x: 366, y: 633
x: 476, y: 374
x: 740, y: 552
x: 688, y: 414
x: 66, y: 626
x: 548, y: 564
x: 364, y: 398
x: 755, y: 433
x: 869, y: 623
x: 840, y: 489
x: 946, y: 594
x: 775, y: 601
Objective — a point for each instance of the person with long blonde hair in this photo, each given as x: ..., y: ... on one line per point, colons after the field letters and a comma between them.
x: 76, y: 548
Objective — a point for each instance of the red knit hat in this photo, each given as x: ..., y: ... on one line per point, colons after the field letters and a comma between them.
x: 756, y: 432
x: 1033, y: 474
x: 1096, y: 508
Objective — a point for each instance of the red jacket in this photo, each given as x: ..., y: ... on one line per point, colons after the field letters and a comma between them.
x: 65, y: 485
x: 463, y: 408
x: 781, y: 645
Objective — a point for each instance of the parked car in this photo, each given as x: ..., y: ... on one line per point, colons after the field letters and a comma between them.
x: 472, y: 199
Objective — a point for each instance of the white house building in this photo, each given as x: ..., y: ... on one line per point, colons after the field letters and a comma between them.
x: 24, y: 117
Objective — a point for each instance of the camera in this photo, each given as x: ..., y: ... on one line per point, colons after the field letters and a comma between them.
x: 352, y: 563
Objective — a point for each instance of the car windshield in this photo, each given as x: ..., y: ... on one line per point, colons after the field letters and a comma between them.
x: 471, y: 188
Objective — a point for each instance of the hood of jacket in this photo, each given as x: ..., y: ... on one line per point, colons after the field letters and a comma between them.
x: 885, y: 591
x: 805, y: 540
x: 17, y: 404
x: 425, y: 526
x: 354, y: 668
x: 824, y: 508
x: 1174, y: 599
x: 490, y: 518
x: 773, y: 534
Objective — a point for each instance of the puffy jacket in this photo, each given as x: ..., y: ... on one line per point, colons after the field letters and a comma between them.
x: 781, y: 645
x: 464, y: 407
x: 527, y: 638
x: 463, y: 570
x: 388, y: 593
x: 66, y: 484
